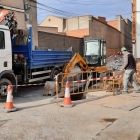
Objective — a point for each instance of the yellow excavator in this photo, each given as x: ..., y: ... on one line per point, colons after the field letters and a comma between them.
x: 94, y: 59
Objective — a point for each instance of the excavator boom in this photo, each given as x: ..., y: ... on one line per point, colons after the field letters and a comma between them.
x: 78, y: 59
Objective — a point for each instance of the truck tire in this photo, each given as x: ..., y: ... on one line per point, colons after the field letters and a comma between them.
x: 54, y: 72
x: 3, y: 88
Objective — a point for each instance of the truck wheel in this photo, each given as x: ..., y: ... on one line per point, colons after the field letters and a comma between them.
x: 3, y: 88
x: 55, y: 72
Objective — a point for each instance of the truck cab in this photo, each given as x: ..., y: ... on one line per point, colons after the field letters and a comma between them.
x: 6, y: 73
x: 95, y: 52
x: 5, y: 49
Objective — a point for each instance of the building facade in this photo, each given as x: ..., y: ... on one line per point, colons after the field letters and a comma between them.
x: 54, y: 21
x: 117, y: 33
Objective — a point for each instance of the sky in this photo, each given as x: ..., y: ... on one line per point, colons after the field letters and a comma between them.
x: 103, y: 8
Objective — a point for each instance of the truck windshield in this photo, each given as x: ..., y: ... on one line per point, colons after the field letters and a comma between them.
x: 92, y: 48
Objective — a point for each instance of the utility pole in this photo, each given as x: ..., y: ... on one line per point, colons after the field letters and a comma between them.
x: 136, y: 28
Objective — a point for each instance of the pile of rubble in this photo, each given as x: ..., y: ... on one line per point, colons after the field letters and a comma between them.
x: 114, y: 62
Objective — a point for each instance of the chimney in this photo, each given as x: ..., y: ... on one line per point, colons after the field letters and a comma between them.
x: 119, y: 17
x: 102, y: 19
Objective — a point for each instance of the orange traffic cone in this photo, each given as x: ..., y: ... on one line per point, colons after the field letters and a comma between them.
x: 9, y: 102
x: 115, y: 57
x: 67, y: 100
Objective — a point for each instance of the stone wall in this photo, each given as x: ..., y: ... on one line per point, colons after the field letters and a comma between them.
x: 59, y: 42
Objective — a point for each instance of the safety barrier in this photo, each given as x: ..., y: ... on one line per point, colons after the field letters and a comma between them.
x: 91, y: 81
x: 83, y: 82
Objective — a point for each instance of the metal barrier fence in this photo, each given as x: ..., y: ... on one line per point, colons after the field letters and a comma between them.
x: 84, y: 82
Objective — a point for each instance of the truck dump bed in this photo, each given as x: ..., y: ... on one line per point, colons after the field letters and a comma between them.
x: 41, y: 58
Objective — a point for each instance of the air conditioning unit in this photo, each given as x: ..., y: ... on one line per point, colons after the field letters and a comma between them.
x: 26, y: 16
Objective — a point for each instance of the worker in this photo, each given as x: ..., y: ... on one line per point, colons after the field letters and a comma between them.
x: 130, y: 67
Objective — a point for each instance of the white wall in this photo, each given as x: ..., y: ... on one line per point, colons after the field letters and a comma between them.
x: 77, y: 23
x: 52, y: 21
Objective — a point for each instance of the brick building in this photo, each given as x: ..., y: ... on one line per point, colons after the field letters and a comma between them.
x: 117, y: 33
x: 59, y: 42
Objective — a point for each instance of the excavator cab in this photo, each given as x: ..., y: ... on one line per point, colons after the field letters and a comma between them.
x: 95, y: 52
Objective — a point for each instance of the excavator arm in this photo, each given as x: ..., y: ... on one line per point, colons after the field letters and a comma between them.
x: 77, y: 59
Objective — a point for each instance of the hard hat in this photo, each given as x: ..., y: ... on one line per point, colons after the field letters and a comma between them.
x: 123, y: 49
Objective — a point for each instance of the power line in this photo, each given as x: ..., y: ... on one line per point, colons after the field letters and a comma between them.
x: 56, y: 10
x: 82, y: 18
x: 63, y: 13
x: 118, y: 14
x: 91, y: 3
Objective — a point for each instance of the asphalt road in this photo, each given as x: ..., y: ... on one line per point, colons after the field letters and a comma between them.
x: 39, y: 118
x: 102, y: 117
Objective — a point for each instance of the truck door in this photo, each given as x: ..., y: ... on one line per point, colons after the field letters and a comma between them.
x: 3, y: 52
x: 103, y: 52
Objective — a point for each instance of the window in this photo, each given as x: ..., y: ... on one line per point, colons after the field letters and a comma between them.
x: 92, y: 48
x: 2, y: 41
x: 92, y: 52
x: 104, y: 49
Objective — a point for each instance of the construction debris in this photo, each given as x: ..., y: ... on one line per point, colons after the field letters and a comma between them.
x: 114, y: 64
x: 49, y: 88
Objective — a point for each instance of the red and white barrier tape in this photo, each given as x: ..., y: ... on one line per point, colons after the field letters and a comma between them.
x: 79, y: 81
x: 102, y: 78
x: 29, y: 85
